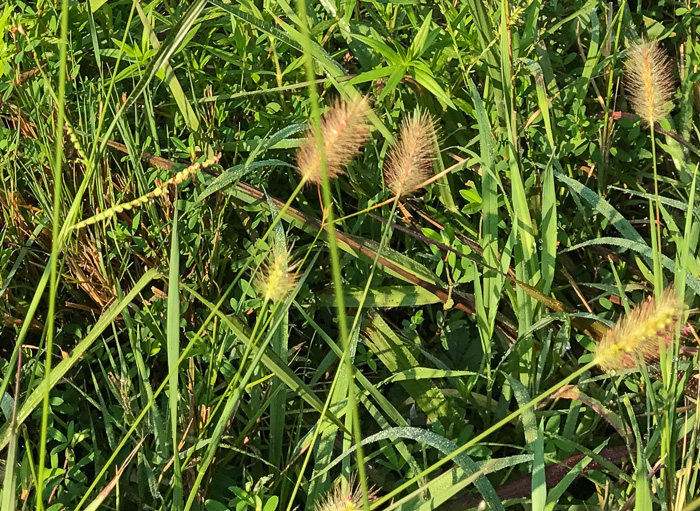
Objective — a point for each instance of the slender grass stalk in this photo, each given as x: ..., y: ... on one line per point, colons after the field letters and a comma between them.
x: 607, y: 125
x: 333, y: 245
x: 385, y: 236
x: 55, y: 247
x: 173, y: 349
x: 8, y: 485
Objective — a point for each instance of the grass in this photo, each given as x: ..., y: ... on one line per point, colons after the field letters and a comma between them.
x: 402, y: 317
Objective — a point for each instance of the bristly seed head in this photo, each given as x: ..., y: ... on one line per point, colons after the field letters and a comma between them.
x: 640, y: 335
x: 410, y: 159
x: 344, y: 130
x: 278, y: 278
x: 337, y: 500
x: 649, y: 81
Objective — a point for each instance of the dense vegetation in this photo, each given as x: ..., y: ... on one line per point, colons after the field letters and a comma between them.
x: 204, y: 306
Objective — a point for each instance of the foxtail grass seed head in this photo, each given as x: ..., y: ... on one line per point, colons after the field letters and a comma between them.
x: 337, y: 500
x: 344, y: 130
x: 649, y: 81
x: 640, y: 335
x: 410, y: 160
x: 278, y: 278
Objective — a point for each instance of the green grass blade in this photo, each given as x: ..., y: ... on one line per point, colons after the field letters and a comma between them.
x: 534, y: 437
x: 549, y: 228
x: 489, y: 291
x: 173, y: 348
x: 167, y: 75
x: 9, y: 491
x: 66, y: 364
x: 396, y: 356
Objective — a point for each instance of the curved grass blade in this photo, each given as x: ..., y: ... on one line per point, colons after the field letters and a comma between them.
x: 443, y: 445
x: 643, y: 250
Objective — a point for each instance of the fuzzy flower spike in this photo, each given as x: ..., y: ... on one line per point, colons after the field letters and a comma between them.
x: 639, y: 336
x: 344, y: 130
x: 410, y: 160
x: 649, y: 81
x: 337, y: 500
x: 278, y: 278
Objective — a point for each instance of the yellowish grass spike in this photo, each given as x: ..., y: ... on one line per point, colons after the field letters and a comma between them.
x: 649, y: 81
x: 344, y: 129
x: 410, y: 159
x: 640, y: 335
x: 178, y: 178
x: 278, y: 278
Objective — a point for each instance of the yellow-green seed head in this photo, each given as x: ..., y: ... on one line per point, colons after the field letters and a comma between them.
x: 278, y: 278
x: 640, y: 335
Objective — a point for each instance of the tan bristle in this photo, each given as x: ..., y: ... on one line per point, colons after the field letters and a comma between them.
x: 410, y: 160
x: 640, y: 335
x: 649, y: 81
x: 344, y: 130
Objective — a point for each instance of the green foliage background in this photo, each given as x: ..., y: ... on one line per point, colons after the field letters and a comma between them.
x: 141, y: 370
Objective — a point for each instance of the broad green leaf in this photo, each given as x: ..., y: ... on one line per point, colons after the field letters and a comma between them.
x: 396, y: 356
x: 236, y: 173
x: 382, y: 48
x: 424, y: 76
x: 488, y: 291
x: 383, y: 296
x: 418, y: 45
